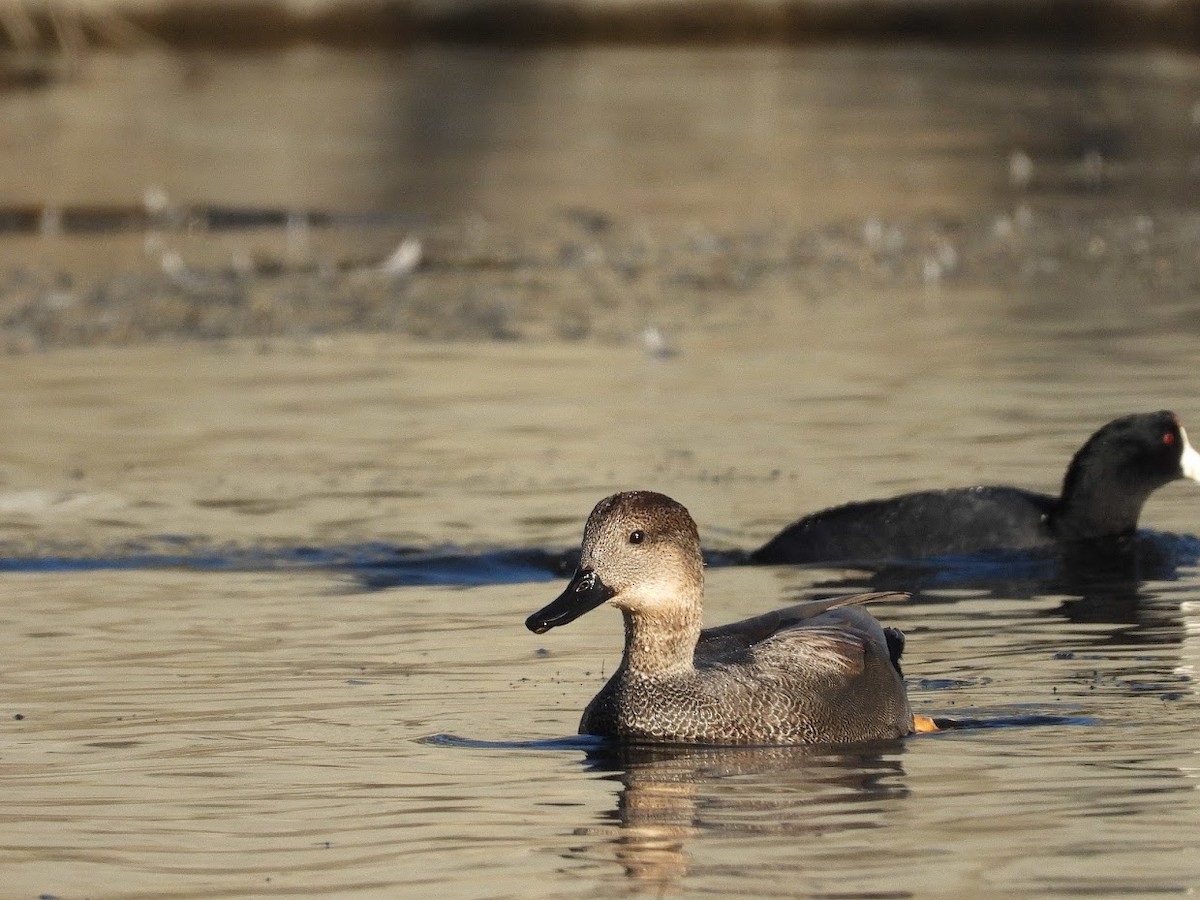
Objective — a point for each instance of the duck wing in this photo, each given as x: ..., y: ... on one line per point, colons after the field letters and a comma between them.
x: 737, y: 637
x: 835, y: 649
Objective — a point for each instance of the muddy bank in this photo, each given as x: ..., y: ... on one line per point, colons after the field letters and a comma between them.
x: 587, y: 276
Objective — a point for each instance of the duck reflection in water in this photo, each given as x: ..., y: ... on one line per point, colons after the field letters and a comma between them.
x: 670, y: 794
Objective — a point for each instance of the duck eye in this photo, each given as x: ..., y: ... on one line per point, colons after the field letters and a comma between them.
x: 1168, y: 438
x: 636, y: 537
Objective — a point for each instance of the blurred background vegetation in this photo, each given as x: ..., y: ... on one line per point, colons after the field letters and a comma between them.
x: 239, y: 24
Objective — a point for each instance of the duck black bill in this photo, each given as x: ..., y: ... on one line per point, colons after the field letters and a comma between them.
x: 585, y: 592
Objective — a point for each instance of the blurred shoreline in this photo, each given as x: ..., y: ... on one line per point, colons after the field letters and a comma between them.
x: 263, y: 24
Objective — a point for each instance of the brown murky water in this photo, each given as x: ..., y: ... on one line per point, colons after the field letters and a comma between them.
x: 191, y: 711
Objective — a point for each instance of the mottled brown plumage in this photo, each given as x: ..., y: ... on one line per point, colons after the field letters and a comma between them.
x: 818, y: 672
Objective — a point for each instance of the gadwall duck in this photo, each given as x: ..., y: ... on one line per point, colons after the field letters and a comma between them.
x: 1107, y: 483
x: 818, y: 672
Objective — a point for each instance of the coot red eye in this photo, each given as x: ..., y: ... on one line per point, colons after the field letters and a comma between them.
x: 1169, y: 438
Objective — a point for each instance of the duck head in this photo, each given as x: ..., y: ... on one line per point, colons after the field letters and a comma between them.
x: 641, y: 554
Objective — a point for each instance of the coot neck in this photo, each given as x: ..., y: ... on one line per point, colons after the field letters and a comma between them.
x: 1093, y: 505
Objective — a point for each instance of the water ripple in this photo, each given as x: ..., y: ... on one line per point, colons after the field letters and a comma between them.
x: 377, y: 565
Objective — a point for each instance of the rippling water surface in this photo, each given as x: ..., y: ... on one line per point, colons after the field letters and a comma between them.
x: 262, y: 631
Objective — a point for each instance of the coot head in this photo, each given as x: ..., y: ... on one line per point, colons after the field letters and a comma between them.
x: 1115, y: 472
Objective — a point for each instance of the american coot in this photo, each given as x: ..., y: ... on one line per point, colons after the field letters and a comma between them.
x: 818, y: 672
x: 1106, y: 485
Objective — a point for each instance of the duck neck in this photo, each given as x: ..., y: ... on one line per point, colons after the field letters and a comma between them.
x: 660, y: 645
